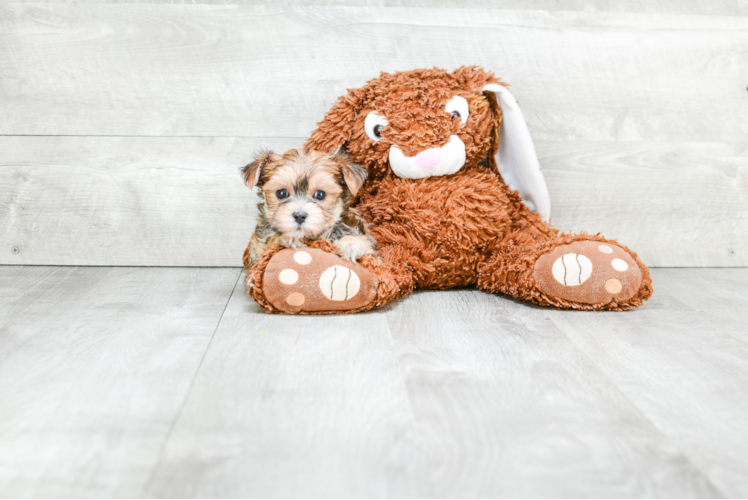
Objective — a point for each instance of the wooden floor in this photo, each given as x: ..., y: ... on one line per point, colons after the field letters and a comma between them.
x: 171, y: 382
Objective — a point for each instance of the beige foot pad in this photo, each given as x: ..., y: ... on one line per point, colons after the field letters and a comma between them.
x: 588, y: 272
x: 312, y: 280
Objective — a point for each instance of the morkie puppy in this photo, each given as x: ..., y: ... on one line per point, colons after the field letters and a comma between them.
x: 306, y: 195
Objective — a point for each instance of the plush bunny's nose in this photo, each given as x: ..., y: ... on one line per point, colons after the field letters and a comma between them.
x: 429, y: 159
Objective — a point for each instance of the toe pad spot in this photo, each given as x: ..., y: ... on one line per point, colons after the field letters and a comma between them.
x: 572, y: 269
x: 619, y: 265
x: 302, y: 257
x: 295, y: 299
x: 288, y: 277
x: 613, y: 286
x: 339, y: 283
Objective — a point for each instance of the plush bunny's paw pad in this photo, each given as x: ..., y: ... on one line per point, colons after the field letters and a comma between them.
x: 588, y: 272
x: 312, y: 280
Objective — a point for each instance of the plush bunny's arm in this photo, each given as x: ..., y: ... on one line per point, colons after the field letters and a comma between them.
x: 516, y: 158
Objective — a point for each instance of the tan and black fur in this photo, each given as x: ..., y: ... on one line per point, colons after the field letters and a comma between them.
x: 300, y: 174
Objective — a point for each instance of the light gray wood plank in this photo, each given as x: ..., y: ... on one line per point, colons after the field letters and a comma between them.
x: 273, y: 70
x: 507, y: 406
x: 706, y: 7
x: 455, y: 393
x: 288, y: 406
x: 718, y: 293
x: 444, y: 394
x: 94, y: 365
x: 181, y: 201
x: 685, y: 368
x: 676, y: 204
x: 126, y: 201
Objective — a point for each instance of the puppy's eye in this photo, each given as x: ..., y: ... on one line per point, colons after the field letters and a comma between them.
x: 374, y: 124
x: 319, y: 195
x: 458, y: 107
x: 281, y: 194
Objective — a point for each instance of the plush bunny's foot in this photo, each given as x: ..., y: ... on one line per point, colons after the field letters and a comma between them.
x: 589, y: 272
x: 312, y: 280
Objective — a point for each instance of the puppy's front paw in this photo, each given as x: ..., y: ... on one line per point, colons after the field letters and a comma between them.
x: 354, y: 247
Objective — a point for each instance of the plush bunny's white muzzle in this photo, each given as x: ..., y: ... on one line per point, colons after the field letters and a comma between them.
x: 445, y: 160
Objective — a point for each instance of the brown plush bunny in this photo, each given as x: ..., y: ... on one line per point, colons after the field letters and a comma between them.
x: 454, y: 197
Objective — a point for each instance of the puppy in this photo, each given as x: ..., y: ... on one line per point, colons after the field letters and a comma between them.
x: 306, y: 195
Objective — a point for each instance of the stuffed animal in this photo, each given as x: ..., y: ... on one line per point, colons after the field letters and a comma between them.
x: 454, y: 197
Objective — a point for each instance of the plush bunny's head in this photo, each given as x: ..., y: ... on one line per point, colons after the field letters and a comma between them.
x: 431, y: 122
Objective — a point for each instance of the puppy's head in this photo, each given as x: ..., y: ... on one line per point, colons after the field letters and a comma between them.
x: 304, y: 192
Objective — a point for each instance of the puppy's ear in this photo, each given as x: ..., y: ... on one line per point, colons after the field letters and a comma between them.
x: 253, y: 171
x: 336, y: 128
x: 353, y: 173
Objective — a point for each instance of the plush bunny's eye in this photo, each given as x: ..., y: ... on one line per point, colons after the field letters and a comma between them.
x: 374, y: 124
x: 458, y: 108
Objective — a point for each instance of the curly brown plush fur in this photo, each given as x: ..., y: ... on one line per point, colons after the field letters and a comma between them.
x: 468, y: 228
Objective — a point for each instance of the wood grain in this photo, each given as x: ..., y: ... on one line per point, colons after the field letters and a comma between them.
x: 443, y: 394
x: 684, y: 364
x: 289, y: 406
x: 272, y: 71
x: 637, y: 111
x: 181, y: 201
x: 126, y: 201
x: 510, y: 408
x: 675, y: 204
x: 707, y: 7
x: 94, y: 366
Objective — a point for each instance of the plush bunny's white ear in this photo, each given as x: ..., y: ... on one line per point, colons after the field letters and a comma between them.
x: 516, y: 158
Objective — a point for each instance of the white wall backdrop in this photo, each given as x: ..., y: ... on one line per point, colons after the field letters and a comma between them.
x: 123, y: 125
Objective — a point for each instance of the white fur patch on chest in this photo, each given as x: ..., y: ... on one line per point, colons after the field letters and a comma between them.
x: 433, y: 162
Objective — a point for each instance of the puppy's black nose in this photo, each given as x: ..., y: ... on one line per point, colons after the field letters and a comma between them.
x: 300, y: 217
